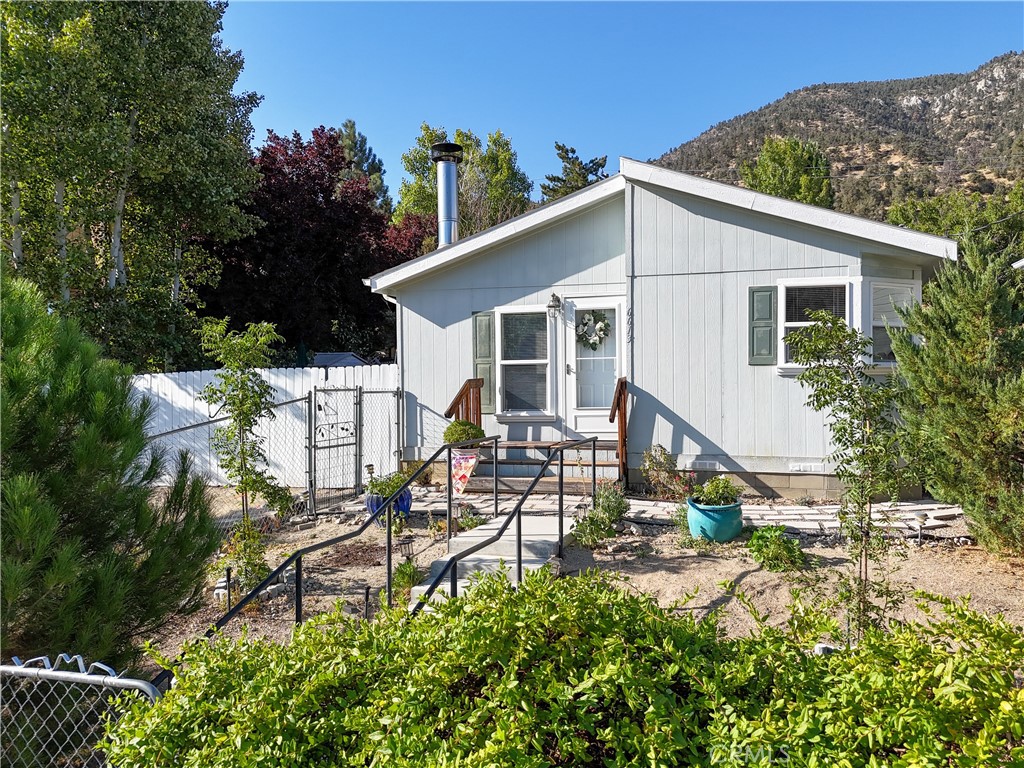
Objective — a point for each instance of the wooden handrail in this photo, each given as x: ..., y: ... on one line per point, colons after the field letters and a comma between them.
x: 618, y: 413
x: 465, y: 406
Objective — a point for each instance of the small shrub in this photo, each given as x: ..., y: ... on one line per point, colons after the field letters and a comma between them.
x: 406, y: 576
x: 717, y: 492
x: 610, y: 505
x: 459, y: 431
x: 773, y: 550
x: 247, y: 555
x: 659, y: 470
x: 469, y: 518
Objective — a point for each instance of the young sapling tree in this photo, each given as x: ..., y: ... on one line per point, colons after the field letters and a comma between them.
x: 868, y: 456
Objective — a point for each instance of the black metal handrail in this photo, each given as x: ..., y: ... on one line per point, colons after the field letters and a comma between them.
x: 452, y: 563
x: 386, y: 508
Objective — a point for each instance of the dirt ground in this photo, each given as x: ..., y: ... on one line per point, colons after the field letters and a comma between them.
x: 657, y: 565
x: 651, y: 560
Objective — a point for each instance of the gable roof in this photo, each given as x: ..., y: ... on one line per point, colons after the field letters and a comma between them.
x: 645, y: 173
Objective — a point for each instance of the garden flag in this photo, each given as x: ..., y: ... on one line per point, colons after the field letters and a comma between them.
x: 463, y: 464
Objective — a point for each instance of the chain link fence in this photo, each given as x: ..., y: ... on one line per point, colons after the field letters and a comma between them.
x: 53, y: 714
x: 317, y: 445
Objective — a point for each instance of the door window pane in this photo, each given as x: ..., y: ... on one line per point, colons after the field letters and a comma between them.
x: 595, y: 368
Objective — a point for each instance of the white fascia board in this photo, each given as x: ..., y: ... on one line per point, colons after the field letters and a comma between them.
x: 529, y: 221
x: 769, y: 205
x: 1018, y: 264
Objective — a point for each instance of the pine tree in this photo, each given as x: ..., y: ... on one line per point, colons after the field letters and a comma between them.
x: 95, y: 558
x: 576, y: 174
x: 364, y: 163
x: 963, y: 400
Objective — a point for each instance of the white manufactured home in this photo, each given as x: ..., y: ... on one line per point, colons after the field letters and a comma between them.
x: 683, y: 288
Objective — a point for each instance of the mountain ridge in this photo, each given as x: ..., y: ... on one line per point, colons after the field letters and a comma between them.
x: 885, y: 139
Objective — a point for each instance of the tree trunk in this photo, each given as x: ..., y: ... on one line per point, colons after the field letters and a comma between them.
x: 17, y: 250
x: 62, y: 239
x: 117, y: 270
x: 175, y: 291
x: 176, y: 285
x: 117, y: 273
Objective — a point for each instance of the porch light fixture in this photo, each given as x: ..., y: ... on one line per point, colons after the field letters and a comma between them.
x: 554, y: 306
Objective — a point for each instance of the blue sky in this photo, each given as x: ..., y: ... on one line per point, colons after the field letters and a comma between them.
x: 632, y: 79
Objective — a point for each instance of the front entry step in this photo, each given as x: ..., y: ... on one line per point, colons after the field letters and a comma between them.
x: 485, y: 484
x: 540, y: 544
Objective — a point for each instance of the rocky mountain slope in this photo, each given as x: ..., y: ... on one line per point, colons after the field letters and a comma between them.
x: 888, y: 139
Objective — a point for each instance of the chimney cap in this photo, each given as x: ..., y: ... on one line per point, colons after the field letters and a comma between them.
x: 445, y: 150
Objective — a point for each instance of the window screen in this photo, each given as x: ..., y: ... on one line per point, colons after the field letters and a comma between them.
x: 802, y: 299
x: 524, y: 337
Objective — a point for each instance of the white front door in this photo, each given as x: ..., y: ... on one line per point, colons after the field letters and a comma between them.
x: 593, y: 346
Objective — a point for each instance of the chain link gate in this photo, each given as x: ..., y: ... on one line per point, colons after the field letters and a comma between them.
x: 51, y: 716
x: 350, y: 429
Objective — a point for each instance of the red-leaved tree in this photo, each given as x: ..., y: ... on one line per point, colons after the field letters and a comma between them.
x: 322, y: 234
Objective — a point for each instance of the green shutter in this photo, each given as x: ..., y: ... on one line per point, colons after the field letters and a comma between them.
x: 763, y: 325
x: 483, y: 357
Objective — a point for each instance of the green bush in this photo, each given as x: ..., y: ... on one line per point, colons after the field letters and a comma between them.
x: 459, y: 430
x: 576, y: 672
x: 610, y: 505
x: 773, y: 550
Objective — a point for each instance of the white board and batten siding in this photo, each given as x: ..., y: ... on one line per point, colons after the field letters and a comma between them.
x: 176, y: 404
x: 583, y: 255
x: 696, y: 394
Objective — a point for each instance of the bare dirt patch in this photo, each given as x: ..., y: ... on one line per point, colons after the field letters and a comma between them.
x: 690, y: 580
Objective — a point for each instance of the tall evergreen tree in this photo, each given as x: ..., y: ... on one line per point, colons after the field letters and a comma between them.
x: 963, y: 399
x: 94, y: 560
x: 364, y: 163
x: 790, y: 168
x: 575, y: 175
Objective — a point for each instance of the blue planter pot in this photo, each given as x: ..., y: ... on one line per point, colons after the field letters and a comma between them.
x: 403, y: 505
x: 714, y: 523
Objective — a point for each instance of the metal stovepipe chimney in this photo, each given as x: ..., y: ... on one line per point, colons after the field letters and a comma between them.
x: 447, y: 156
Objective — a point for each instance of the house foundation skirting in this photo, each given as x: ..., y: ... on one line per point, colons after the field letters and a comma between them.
x: 793, y: 486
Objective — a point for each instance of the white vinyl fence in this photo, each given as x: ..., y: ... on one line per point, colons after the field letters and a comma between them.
x: 182, y: 421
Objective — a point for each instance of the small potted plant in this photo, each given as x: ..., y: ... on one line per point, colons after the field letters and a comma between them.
x: 378, y: 489
x: 714, y: 510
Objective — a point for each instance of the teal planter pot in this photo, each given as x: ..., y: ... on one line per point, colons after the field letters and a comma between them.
x: 714, y: 523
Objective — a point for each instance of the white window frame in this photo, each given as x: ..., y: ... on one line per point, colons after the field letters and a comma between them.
x: 499, y: 364
x: 859, y: 311
x: 853, y: 311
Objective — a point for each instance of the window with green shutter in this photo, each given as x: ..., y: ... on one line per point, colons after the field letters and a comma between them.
x: 483, y: 357
x: 763, y: 329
